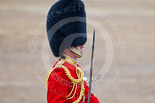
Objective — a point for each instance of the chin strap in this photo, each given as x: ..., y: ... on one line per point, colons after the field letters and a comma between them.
x: 76, y: 51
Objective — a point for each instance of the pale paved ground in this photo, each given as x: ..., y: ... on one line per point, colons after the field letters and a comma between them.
x: 130, y: 78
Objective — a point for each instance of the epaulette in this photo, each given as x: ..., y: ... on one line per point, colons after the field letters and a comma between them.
x: 49, y: 72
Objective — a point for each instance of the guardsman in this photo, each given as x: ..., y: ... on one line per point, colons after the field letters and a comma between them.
x: 67, y: 34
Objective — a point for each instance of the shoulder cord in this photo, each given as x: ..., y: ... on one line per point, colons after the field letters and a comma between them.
x: 48, y: 74
x: 80, y: 80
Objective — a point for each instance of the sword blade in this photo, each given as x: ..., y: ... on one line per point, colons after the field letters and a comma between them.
x: 91, y: 68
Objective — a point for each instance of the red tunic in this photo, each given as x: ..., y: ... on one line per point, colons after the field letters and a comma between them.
x: 59, y: 86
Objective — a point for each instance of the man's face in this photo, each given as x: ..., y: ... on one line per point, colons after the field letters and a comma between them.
x: 80, y: 49
x: 72, y: 54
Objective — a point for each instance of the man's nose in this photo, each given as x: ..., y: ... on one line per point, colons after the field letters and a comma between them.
x: 82, y: 46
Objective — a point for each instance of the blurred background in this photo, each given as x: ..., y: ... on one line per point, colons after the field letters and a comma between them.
x: 124, y: 69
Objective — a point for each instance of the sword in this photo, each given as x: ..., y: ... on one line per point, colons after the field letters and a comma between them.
x: 91, y: 68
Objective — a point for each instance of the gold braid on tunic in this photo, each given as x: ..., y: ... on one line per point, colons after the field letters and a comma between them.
x: 75, y: 82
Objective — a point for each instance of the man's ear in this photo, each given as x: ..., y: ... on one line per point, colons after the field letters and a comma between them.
x: 66, y: 51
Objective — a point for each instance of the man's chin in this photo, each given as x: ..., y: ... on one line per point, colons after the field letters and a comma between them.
x: 79, y: 56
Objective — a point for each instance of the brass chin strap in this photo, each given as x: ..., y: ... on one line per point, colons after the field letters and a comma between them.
x: 76, y: 51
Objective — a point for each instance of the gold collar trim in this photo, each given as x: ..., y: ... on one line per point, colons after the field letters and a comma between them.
x: 69, y: 60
